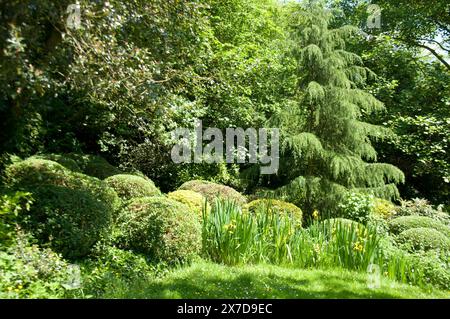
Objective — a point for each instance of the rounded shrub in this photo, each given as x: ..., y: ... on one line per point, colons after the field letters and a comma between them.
x: 70, y: 210
x: 94, y: 165
x: 34, y: 171
x: 71, y: 220
x: 383, y: 208
x: 212, y: 190
x: 424, y: 239
x: 195, y: 201
x: 161, y: 228
x: 132, y: 186
x: 400, y: 224
x: 65, y: 161
x: 356, y: 206
x: 276, y: 206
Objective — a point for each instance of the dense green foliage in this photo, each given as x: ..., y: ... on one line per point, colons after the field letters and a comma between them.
x: 403, y: 223
x: 424, y: 238
x: 87, y: 116
x: 131, y: 186
x: 195, y: 201
x: 163, y: 229
x: 212, y: 190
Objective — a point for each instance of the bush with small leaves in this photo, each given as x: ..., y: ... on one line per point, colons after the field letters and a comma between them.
x: 160, y: 228
x: 356, y: 206
x: 423, y: 239
x: 383, y: 208
x: 212, y: 190
x: 400, y: 224
x: 94, y: 165
x: 71, y: 211
x: 132, y: 186
x: 276, y: 206
x: 195, y: 201
x: 65, y: 161
x: 28, y: 272
x: 421, y: 207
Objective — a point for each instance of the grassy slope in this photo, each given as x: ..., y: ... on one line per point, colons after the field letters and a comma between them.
x: 208, y: 280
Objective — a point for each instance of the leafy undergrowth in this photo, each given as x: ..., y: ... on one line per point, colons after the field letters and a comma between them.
x: 208, y: 280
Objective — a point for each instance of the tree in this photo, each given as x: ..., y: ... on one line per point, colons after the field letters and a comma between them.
x: 326, y: 143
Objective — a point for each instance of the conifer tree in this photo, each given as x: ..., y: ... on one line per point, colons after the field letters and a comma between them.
x: 326, y: 142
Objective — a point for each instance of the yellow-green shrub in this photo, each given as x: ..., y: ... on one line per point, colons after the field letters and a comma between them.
x: 383, y: 208
x: 424, y: 239
x: 132, y: 186
x: 212, y: 190
x: 195, y: 201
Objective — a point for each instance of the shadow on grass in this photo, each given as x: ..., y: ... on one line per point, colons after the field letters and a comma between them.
x: 236, y: 283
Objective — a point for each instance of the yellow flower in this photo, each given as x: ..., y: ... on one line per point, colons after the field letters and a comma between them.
x: 10, y: 288
x: 317, y: 248
x: 20, y: 287
x: 315, y: 214
x: 357, y: 246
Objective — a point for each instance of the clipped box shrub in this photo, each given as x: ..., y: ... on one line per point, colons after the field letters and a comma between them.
x: 400, y: 224
x: 132, y: 186
x: 424, y: 239
x: 421, y: 207
x: 35, y: 172
x: 65, y: 161
x: 94, y: 165
x: 276, y: 206
x: 195, y: 201
x: 70, y: 210
x: 383, y: 208
x: 71, y: 220
x: 160, y: 228
x: 212, y: 190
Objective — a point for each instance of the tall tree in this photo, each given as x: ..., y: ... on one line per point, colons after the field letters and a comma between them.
x: 326, y: 143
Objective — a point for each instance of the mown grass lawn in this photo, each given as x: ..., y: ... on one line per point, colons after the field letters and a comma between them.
x: 208, y: 280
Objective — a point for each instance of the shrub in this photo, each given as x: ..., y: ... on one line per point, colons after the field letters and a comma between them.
x: 94, y: 165
x: 131, y: 186
x: 31, y: 172
x: 10, y: 207
x: 383, y: 208
x: 212, y: 190
x: 356, y: 206
x: 421, y: 207
x: 65, y: 161
x: 28, y: 271
x: 423, y: 239
x: 276, y: 206
x: 195, y: 201
x: 161, y: 228
x: 72, y: 220
x: 403, y: 223
x: 71, y: 210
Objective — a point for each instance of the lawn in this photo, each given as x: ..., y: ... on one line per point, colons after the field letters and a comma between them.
x: 208, y: 280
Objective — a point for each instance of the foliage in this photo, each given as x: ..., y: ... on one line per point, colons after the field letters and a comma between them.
x: 195, y: 201
x: 356, y: 206
x: 160, y: 228
x: 326, y: 144
x: 212, y: 190
x: 383, y: 208
x: 422, y: 238
x: 11, y: 205
x: 271, y: 206
x: 64, y: 160
x: 70, y: 220
x: 97, y: 166
x: 421, y: 207
x: 131, y: 186
x: 28, y: 271
x: 400, y: 224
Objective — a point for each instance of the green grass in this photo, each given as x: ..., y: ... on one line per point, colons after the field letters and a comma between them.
x: 208, y: 280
